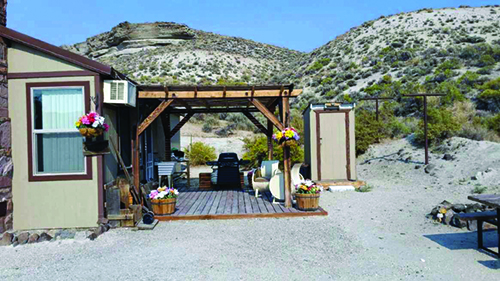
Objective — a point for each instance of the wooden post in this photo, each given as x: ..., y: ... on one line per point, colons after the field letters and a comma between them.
x: 270, y: 140
x: 376, y: 99
x: 425, y: 132
x: 136, y: 162
x: 425, y: 120
x: 165, y: 120
x: 286, y: 154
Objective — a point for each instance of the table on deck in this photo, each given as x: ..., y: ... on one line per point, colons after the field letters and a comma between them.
x: 491, y: 200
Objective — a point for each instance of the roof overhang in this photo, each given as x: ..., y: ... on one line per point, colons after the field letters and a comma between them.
x: 58, y: 52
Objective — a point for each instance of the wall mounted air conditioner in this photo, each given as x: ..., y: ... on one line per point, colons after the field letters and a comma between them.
x: 119, y: 92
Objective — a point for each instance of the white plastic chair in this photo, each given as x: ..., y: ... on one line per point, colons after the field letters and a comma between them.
x: 277, y: 183
x: 267, y: 170
x: 296, y: 176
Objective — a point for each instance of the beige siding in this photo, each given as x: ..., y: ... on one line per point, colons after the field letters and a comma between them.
x: 50, y: 204
x: 23, y: 59
x: 352, y: 139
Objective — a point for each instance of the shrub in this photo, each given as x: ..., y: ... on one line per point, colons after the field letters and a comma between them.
x: 485, y: 60
x: 489, y: 98
x: 441, y: 125
x: 493, y: 123
x: 469, y: 78
x: 485, y: 70
x: 368, y: 130
x: 449, y: 64
x: 450, y: 88
x: 199, y: 153
x: 256, y: 151
x: 206, y: 128
x: 327, y: 80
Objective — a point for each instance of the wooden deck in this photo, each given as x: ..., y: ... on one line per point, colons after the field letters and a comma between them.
x: 194, y: 204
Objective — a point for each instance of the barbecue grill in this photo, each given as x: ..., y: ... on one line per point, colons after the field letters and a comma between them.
x: 226, y: 170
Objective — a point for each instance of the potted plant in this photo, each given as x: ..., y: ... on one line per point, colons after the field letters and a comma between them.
x: 307, y: 195
x: 163, y: 200
x: 90, y: 126
x: 286, y: 137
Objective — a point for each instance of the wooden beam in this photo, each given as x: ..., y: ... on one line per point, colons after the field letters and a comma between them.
x: 214, y: 110
x: 150, y: 94
x: 270, y: 146
x: 272, y: 103
x: 256, y: 123
x: 269, y: 115
x: 286, y: 155
x: 180, y: 124
x: 185, y: 104
x: 163, y: 105
x: 165, y: 121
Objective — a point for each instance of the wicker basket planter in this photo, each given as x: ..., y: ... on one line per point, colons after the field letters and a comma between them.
x: 163, y: 207
x: 288, y: 143
x: 90, y: 132
x: 307, y: 202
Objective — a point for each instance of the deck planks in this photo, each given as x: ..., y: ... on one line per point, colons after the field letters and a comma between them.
x: 230, y: 204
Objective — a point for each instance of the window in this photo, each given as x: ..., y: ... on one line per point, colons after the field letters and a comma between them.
x: 55, y: 145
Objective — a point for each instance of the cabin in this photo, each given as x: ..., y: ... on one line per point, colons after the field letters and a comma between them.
x: 54, y: 185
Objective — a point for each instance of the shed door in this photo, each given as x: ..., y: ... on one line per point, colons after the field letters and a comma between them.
x: 332, y: 134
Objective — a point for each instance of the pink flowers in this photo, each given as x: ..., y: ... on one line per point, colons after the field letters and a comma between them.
x: 92, y: 120
x: 153, y: 194
x: 85, y: 120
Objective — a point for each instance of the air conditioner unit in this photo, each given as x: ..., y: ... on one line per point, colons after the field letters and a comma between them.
x: 119, y: 92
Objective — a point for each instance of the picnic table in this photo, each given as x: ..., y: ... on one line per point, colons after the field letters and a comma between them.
x: 491, y: 200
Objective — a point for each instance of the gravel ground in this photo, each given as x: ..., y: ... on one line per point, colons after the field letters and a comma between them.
x: 378, y: 235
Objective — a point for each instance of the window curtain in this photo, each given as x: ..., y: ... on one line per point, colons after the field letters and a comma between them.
x: 59, y: 145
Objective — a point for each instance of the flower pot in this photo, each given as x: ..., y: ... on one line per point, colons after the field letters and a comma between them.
x: 287, y: 143
x: 96, y: 145
x: 163, y: 206
x: 307, y: 202
x: 90, y: 132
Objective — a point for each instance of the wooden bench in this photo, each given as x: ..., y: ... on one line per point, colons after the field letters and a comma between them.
x: 481, y: 218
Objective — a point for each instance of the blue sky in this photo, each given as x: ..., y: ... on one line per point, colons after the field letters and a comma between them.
x: 296, y: 24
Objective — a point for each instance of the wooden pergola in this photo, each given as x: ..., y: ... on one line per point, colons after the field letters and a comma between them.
x: 189, y: 100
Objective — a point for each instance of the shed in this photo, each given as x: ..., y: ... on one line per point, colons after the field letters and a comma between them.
x: 329, y: 141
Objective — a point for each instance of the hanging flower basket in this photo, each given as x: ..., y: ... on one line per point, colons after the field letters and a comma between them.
x: 287, y: 137
x: 163, y: 200
x: 90, y: 132
x: 91, y: 125
x: 288, y: 143
x: 307, y: 195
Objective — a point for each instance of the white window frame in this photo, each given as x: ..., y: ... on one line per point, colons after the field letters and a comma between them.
x: 34, y: 132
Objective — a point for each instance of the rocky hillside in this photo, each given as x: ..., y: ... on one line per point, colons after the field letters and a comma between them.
x: 165, y: 52
x: 425, y: 47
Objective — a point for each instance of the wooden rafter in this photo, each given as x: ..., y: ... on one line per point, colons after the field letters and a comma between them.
x: 181, y: 123
x: 269, y: 115
x: 256, y: 122
x: 163, y: 105
x: 185, y: 104
x: 272, y: 103
x: 152, y: 94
